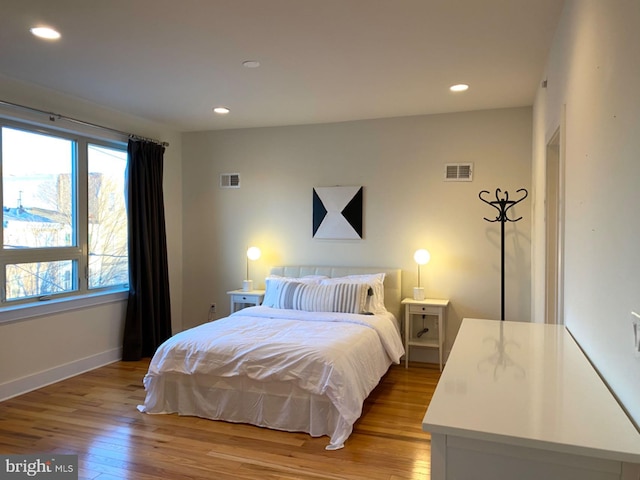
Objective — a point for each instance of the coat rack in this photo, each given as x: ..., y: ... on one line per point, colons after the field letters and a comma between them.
x: 502, y: 205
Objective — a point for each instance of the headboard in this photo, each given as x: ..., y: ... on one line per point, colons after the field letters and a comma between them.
x: 392, y: 280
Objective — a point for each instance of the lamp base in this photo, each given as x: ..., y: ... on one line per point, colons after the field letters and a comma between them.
x: 418, y: 293
x: 247, y: 285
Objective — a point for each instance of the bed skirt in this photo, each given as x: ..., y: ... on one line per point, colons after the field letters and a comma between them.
x: 276, y: 405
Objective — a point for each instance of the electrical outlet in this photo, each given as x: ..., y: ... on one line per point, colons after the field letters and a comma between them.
x: 212, y: 311
x: 635, y: 322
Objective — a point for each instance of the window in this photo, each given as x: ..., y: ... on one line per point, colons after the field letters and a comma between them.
x: 63, y: 217
x: 107, y: 220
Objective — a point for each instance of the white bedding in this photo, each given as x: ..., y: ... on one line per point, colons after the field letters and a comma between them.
x: 336, y: 356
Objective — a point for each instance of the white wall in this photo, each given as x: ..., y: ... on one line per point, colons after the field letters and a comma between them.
x: 47, y: 348
x: 594, y: 69
x: 407, y: 205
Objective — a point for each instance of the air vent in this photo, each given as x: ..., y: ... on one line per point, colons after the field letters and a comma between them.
x: 458, y: 172
x: 229, y: 180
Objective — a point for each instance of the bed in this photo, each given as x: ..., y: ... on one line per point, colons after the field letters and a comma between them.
x: 303, y: 361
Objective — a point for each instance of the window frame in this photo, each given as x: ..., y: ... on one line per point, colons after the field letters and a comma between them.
x: 15, y: 309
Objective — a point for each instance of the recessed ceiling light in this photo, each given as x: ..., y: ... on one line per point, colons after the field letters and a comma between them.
x: 45, y: 32
x: 221, y: 110
x: 461, y: 87
x: 251, y: 64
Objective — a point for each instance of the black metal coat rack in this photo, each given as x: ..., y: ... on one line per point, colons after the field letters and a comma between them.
x: 502, y: 205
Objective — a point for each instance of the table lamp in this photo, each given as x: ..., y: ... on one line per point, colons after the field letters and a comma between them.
x: 253, y: 253
x: 421, y: 257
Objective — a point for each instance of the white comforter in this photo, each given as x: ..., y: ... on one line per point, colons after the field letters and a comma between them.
x: 342, y: 356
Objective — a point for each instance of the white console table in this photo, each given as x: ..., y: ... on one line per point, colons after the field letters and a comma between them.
x: 521, y: 401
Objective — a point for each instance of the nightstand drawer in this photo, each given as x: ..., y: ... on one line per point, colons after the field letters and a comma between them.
x: 423, y: 309
x: 246, y: 298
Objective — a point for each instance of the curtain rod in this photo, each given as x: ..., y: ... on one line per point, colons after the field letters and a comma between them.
x: 56, y: 116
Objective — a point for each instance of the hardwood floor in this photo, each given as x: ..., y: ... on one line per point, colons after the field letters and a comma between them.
x: 94, y: 416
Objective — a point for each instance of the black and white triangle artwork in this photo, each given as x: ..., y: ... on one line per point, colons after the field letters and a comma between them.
x: 337, y: 212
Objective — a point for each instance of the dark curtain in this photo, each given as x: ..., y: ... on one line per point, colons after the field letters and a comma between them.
x: 148, y: 320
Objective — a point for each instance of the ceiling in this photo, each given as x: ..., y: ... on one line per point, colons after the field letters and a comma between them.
x: 172, y: 61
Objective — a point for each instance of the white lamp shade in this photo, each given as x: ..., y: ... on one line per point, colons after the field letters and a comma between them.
x: 253, y: 253
x: 422, y: 256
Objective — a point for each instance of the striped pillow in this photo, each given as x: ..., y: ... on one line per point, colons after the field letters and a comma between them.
x: 340, y: 297
x: 375, y: 302
x: 279, y: 292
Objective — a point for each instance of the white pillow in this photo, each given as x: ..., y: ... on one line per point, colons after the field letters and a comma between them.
x: 275, y: 287
x: 375, y: 302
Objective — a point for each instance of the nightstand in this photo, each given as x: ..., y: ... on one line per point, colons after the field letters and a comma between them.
x: 420, y: 315
x: 241, y: 299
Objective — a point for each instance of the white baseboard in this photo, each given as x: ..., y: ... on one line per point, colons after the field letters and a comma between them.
x: 26, y: 384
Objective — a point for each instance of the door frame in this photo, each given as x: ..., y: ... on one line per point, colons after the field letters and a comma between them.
x: 554, y: 225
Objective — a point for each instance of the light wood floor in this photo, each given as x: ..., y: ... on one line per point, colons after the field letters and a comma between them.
x: 94, y: 416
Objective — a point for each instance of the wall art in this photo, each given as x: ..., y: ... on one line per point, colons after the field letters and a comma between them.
x: 337, y: 212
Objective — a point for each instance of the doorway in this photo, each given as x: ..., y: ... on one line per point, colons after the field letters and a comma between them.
x: 554, y: 221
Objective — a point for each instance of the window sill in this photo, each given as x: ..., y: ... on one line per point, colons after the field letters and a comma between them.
x: 50, y: 307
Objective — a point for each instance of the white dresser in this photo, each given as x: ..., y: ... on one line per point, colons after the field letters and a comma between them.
x: 521, y: 401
